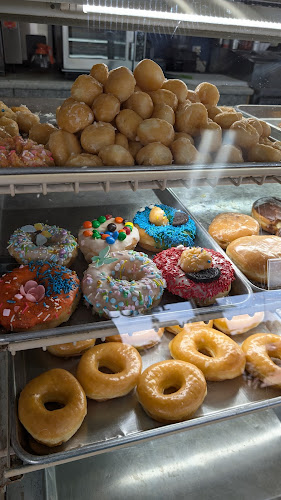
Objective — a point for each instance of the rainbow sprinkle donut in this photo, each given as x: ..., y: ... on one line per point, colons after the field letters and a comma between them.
x: 161, y: 227
x: 106, y: 230
x: 42, y: 242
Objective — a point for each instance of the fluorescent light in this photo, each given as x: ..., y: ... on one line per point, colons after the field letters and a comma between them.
x: 183, y: 17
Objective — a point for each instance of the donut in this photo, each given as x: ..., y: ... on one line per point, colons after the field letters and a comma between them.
x: 184, y: 153
x: 86, y: 89
x: 123, y: 364
x: 134, y: 147
x: 141, y: 103
x: 229, y: 154
x: 256, y: 124
x: 208, y: 93
x: 178, y: 87
x: 191, y: 118
x: 210, y: 137
x: 38, y: 296
x: 251, y: 254
x: 74, y: 116
x: 115, y: 155
x: 163, y: 227
x: 19, y: 152
x: 62, y: 144
x: 267, y: 211
x: 84, y: 160
x: 140, y: 340
x: 213, y: 111
x: 162, y: 96
x: 4, y: 134
x: 171, y: 391
x: 41, y: 132
x: 124, y: 281
x: 245, y: 135
x: 259, y: 349
x: 121, y: 83
x: 106, y: 107
x: 43, y: 242
x: 96, y: 136
x: 195, y: 273
x: 192, y: 96
x: 184, y: 134
x: 121, y: 140
x: 155, y: 130
x: 9, y: 125
x: 177, y: 329
x: 164, y: 112
x: 106, y: 230
x: 238, y: 324
x: 26, y: 120
x: 226, y: 118
x: 266, y: 128
x: 71, y: 348
x: 100, y: 72
x: 154, y: 153
x: 229, y: 226
x: 127, y: 122
x: 149, y: 76
x: 52, y: 428
x: 213, y: 352
x: 263, y: 153
x: 6, y: 111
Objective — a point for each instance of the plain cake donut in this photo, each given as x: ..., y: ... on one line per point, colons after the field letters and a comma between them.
x: 171, y: 391
x: 52, y: 428
x: 123, y: 363
x: 259, y: 349
x: 222, y: 359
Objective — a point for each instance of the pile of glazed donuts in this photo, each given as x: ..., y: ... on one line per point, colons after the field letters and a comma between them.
x: 120, y: 118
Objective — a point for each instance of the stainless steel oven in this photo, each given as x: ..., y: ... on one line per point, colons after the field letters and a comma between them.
x: 83, y: 47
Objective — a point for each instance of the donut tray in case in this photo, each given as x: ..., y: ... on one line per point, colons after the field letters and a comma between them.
x: 82, y: 324
x: 122, y: 422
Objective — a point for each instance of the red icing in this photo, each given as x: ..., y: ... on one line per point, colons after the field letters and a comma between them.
x: 25, y: 315
x: 177, y: 282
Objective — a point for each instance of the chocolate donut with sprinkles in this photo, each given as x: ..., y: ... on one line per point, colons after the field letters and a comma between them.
x: 125, y: 281
x: 43, y: 242
x: 38, y: 296
x: 162, y: 227
x: 106, y: 230
x: 196, y: 273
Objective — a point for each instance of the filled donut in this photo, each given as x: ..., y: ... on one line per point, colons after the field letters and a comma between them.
x: 122, y: 281
x: 195, y: 273
x: 52, y: 427
x: 43, y: 242
x: 97, y: 234
x: 163, y: 227
x: 38, y: 296
x: 267, y: 211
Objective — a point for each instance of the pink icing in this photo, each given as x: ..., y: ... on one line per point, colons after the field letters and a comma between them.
x: 32, y: 291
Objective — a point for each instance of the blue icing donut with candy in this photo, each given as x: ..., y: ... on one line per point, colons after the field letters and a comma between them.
x: 161, y: 227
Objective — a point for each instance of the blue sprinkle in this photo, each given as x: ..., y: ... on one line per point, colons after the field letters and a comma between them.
x: 11, y: 301
x: 120, y: 304
x: 112, y: 301
x: 134, y: 299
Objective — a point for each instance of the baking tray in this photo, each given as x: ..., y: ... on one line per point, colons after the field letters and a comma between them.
x: 172, y: 310
x: 270, y: 114
x: 122, y: 421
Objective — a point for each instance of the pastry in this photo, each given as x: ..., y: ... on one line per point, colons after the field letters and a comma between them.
x: 267, y: 211
x: 229, y: 226
x: 238, y: 324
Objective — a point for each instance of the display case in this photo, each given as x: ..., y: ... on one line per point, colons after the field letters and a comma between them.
x: 120, y: 451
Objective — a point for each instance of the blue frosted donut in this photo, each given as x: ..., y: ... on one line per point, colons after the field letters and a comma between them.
x: 156, y: 238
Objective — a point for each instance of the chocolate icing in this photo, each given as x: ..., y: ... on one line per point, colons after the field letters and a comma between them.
x: 270, y: 208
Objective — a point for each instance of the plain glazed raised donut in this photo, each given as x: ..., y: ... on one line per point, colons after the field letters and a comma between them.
x: 71, y: 348
x: 259, y: 349
x: 185, y: 388
x: 223, y: 358
x: 140, y: 340
x: 238, y: 324
x: 38, y: 296
x: 149, y: 76
x: 123, y: 363
x: 229, y: 226
x: 177, y: 329
x: 130, y: 282
x: 52, y: 428
x: 43, y: 242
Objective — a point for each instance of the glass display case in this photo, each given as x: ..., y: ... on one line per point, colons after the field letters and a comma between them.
x: 120, y: 451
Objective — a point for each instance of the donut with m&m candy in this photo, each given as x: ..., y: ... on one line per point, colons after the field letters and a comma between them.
x: 38, y: 296
x: 43, y: 242
x: 106, y: 230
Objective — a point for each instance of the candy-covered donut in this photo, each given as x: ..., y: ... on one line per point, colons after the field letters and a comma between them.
x: 140, y: 340
x: 52, y: 428
x: 122, y: 281
x: 163, y: 227
x: 106, y: 230
x: 43, y: 242
x: 38, y: 296
x: 124, y: 363
x: 259, y: 349
x: 171, y: 391
x: 195, y: 273
x: 218, y: 356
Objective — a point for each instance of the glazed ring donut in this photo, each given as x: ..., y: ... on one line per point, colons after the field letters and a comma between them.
x: 127, y: 281
x: 259, y: 349
x: 140, y: 340
x: 171, y: 391
x: 106, y: 230
x: 223, y: 358
x: 52, y: 428
x: 177, y: 329
x: 38, y: 296
x: 238, y: 324
x: 162, y: 227
x: 123, y: 363
x: 43, y: 242
x: 71, y: 348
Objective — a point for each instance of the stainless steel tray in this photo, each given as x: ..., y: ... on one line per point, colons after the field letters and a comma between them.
x: 121, y: 422
x: 270, y: 114
x: 172, y: 309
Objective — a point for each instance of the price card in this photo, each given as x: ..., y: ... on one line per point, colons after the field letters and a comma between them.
x: 274, y: 274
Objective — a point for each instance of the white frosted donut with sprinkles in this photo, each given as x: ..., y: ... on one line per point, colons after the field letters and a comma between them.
x: 106, y: 230
x: 43, y: 242
x: 122, y: 281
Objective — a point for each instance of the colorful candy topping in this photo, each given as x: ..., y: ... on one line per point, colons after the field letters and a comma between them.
x: 195, y: 259
x: 103, y: 258
x: 32, y: 291
x: 87, y: 224
x: 111, y: 234
x: 119, y: 220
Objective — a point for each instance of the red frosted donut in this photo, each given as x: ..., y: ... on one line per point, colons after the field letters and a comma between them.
x: 214, y: 281
x: 37, y: 296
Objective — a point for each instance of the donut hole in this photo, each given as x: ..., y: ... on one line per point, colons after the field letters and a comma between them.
x: 109, y: 367
x: 171, y: 384
x: 53, y: 405
x: 170, y: 390
x: 204, y: 350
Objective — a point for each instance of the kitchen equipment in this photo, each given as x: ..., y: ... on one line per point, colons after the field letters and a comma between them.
x: 43, y: 57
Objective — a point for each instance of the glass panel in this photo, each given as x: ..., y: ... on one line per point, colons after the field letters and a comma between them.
x: 96, y: 44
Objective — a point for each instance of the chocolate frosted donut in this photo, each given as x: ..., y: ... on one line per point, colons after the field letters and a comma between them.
x: 267, y: 211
